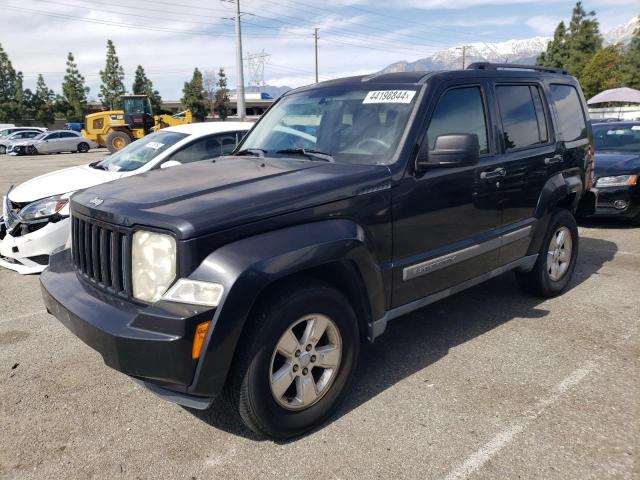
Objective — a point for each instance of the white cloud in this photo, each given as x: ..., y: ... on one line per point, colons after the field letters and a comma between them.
x: 543, y: 24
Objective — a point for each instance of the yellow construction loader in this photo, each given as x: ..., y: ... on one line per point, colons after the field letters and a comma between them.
x: 116, y: 129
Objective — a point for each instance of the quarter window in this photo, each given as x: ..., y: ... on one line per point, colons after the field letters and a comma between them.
x: 523, y: 123
x: 572, y: 124
x: 460, y: 110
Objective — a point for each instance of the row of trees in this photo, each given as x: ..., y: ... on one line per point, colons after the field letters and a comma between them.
x: 578, y: 49
x: 204, y: 95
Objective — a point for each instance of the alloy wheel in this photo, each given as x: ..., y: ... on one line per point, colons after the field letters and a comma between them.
x: 305, y: 362
x: 559, y: 254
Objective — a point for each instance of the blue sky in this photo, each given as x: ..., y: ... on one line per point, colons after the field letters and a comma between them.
x: 170, y: 38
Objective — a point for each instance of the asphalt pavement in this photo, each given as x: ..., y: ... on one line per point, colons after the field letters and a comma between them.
x: 488, y: 384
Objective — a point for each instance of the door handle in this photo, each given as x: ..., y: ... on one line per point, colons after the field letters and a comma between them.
x: 553, y: 160
x: 495, y: 173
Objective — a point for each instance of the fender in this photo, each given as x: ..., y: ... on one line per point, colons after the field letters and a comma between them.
x: 559, y: 188
x: 246, y: 267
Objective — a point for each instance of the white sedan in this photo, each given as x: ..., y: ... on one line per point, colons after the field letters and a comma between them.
x: 35, y: 215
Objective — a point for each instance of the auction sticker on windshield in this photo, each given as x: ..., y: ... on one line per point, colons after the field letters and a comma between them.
x: 154, y: 145
x: 389, y: 96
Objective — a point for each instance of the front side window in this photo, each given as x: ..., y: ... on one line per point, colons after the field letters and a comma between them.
x: 52, y: 136
x: 141, y: 152
x: 460, y: 110
x: 572, y: 124
x: 206, y: 148
x: 352, y: 123
x: 520, y: 125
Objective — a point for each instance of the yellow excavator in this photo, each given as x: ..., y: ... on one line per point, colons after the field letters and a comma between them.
x: 115, y: 129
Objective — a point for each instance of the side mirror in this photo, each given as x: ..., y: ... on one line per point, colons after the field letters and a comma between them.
x: 170, y: 163
x: 451, y: 150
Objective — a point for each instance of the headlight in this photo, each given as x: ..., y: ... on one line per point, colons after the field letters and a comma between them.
x: 617, y: 181
x: 195, y: 292
x: 43, y: 208
x: 153, y: 264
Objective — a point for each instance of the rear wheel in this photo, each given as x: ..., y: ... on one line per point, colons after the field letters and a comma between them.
x: 83, y: 147
x: 117, y: 140
x: 3, y: 149
x: 295, y: 361
x: 31, y: 150
x: 556, y: 259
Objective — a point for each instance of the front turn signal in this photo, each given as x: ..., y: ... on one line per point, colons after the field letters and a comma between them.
x: 199, y: 338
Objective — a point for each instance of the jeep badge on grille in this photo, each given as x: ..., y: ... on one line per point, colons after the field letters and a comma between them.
x: 96, y: 202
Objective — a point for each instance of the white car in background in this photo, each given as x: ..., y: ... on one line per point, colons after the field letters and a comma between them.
x: 35, y: 215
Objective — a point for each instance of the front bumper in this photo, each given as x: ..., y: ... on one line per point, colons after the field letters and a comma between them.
x: 151, y: 343
x: 30, y: 253
x: 608, y: 196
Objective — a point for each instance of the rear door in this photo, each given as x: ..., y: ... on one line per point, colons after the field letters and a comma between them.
x: 68, y: 142
x: 530, y: 153
x: 446, y: 220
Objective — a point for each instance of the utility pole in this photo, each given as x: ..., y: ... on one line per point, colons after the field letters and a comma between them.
x: 316, y: 44
x: 464, y: 55
x: 242, y: 114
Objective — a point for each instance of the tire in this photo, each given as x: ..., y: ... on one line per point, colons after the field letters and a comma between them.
x: 31, y: 150
x: 543, y: 280
x: 3, y: 149
x: 249, y: 390
x: 117, y: 140
x: 83, y: 147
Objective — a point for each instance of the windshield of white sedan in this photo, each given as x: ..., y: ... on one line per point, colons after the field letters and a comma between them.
x: 619, y: 138
x: 140, y: 152
x: 344, y: 124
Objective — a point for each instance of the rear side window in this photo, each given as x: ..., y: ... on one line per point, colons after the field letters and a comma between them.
x: 572, y: 124
x: 523, y: 122
x: 67, y: 135
x: 460, y: 110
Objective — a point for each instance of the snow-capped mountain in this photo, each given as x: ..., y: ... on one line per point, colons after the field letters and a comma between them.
x: 622, y: 33
x: 512, y: 51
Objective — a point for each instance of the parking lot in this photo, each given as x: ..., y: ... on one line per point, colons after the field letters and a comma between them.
x: 488, y: 384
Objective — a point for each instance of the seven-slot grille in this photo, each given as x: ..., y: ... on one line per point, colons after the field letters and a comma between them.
x: 102, y: 254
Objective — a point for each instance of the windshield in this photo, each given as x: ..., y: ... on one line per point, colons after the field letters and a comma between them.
x: 40, y: 136
x: 140, y: 152
x: 350, y: 123
x: 617, y: 138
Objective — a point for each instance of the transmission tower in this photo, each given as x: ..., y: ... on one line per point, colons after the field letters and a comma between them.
x: 256, y: 63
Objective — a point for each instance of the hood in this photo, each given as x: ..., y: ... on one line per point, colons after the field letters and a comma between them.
x: 204, y: 197
x: 617, y: 163
x: 60, y: 182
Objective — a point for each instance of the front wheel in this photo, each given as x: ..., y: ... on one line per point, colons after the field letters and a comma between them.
x: 557, y: 257
x: 31, y: 150
x: 3, y: 149
x: 117, y: 140
x: 295, y: 360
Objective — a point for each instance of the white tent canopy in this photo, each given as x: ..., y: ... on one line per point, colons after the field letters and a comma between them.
x: 617, y: 95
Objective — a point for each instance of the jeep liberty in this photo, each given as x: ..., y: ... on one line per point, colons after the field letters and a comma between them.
x: 351, y: 202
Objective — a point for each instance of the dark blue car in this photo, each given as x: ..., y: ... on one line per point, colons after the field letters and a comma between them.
x: 617, y: 170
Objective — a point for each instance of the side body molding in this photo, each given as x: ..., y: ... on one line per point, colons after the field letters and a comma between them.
x: 246, y: 267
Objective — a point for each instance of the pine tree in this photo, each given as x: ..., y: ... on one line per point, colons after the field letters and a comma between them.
x: 557, y: 49
x: 73, y: 102
x: 193, y: 97
x: 8, y: 88
x: 143, y: 86
x: 222, y: 107
x: 44, y: 103
x: 583, y: 41
x: 602, y: 71
x: 112, y: 76
x: 630, y: 68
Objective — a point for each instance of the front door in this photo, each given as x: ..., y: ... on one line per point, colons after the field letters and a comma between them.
x: 446, y: 220
x: 50, y: 143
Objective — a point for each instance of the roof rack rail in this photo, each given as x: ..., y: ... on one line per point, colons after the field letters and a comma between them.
x: 497, y: 66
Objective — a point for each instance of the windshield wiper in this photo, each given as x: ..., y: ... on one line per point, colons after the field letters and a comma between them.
x: 256, y: 152
x: 313, y: 154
